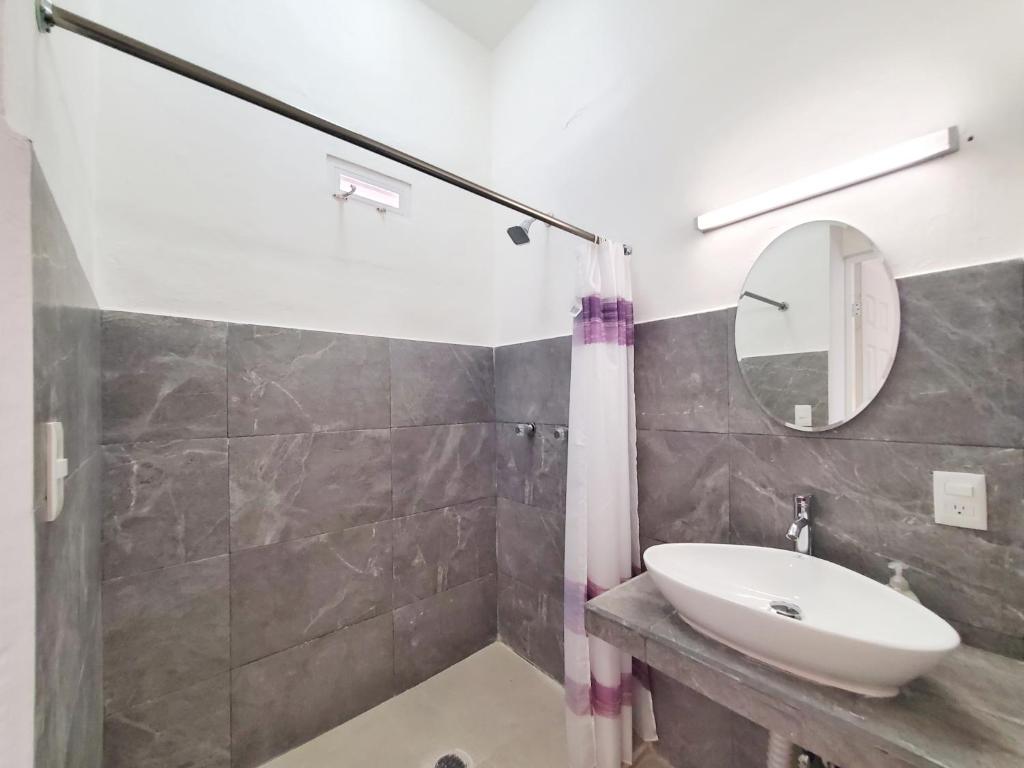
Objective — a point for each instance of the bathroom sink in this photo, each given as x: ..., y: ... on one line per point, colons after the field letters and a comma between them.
x: 810, y: 617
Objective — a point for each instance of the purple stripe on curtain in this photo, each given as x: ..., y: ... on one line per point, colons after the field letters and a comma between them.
x: 597, y: 699
x: 577, y: 697
x: 575, y: 597
x: 604, y: 321
x: 606, y: 700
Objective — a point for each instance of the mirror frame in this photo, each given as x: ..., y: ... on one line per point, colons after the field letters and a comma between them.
x: 896, y: 344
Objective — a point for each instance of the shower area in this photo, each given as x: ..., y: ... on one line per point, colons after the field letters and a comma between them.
x: 300, y: 527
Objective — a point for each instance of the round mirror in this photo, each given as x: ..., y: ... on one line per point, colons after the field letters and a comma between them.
x: 817, y: 325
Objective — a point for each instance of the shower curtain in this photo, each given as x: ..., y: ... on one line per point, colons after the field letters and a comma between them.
x: 607, y: 692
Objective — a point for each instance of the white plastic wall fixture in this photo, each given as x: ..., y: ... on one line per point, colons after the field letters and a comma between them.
x: 56, y: 470
x: 960, y: 499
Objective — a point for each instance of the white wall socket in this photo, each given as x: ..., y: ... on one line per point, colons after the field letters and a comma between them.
x: 960, y: 500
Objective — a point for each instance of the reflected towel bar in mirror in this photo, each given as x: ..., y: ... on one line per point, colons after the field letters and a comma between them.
x: 783, y: 306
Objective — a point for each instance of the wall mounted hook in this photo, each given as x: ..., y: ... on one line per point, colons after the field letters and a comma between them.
x: 344, y: 196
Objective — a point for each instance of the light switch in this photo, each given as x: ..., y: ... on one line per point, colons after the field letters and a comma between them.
x: 964, y: 490
x: 960, y: 500
x: 56, y: 469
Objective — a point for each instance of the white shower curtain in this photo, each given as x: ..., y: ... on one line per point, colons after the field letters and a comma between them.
x: 607, y: 692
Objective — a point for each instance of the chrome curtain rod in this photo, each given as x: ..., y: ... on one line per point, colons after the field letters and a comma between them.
x: 50, y: 16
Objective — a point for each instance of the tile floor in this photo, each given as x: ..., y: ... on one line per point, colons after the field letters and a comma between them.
x: 494, y: 706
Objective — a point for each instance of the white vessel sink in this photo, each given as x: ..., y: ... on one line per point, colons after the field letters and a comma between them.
x: 852, y: 633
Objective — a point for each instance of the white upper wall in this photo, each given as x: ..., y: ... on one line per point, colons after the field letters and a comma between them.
x: 209, y: 207
x: 794, y: 269
x: 50, y: 95
x: 631, y: 118
x: 625, y: 118
x: 17, y: 546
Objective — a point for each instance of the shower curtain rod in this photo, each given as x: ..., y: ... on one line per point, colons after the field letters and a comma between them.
x: 50, y: 16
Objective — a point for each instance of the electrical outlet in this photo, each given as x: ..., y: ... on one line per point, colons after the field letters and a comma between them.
x: 960, y: 500
x: 802, y: 415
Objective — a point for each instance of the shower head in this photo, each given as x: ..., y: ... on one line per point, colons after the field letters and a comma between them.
x: 520, y: 233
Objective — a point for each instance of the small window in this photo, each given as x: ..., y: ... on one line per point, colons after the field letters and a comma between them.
x: 350, y: 182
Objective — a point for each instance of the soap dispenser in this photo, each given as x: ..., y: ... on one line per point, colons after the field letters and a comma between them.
x: 899, y: 581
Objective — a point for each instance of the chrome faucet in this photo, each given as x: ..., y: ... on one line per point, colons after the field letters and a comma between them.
x: 800, y: 531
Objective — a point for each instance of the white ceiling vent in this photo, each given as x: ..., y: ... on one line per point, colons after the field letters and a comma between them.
x: 354, y: 183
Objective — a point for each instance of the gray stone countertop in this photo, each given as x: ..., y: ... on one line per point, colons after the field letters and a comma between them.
x: 966, y: 713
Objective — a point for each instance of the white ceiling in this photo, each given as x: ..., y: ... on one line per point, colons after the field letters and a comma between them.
x: 486, y: 20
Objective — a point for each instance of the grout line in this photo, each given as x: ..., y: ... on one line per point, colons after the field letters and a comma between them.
x: 231, y: 567
x: 841, y: 438
x: 393, y: 688
x: 107, y: 713
x: 559, y: 514
x: 138, y: 574
x: 315, y: 638
x: 160, y: 440
x: 321, y: 534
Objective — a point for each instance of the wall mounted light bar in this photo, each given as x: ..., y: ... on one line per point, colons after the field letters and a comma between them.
x: 895, y: 158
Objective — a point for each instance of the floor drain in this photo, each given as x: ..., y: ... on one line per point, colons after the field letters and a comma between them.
x: 452, y: 760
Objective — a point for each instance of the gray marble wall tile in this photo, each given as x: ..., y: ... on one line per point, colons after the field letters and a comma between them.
x: 959, y: 371
x: 531, y: 623
x: 873, y: 504
x: 440, y: 383
x: 781, y: 382
x: 66, y: 350
x: 85, y: 740
x: 69, y: 706
x: 531, y: 469
x: 681, y: 373
x: 282, y: 381
x: 745, y: 415
x: 531, y: 546
x: 65, y: 334
x: 996, y: 642
x: 531, y: 381
x: 749, y: 743
x: 66, y: 388
x: 438, y: 466
x: 190, y: 727
x: 435, y: 633
x: 440, y: 549
x: 693, y: 731
x: 288, y: 593
x: 163, y: 378
x: 683, y: 484
x: 288, y: 698
x: 166, y: 503
x: 292, y: 486
x: 163, y: 631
